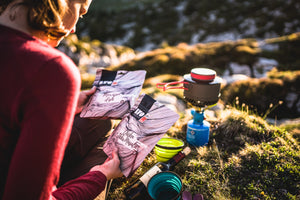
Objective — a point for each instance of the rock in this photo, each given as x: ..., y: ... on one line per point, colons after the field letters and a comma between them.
x: 171, y: 101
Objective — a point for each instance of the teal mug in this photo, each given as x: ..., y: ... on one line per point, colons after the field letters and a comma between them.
x: 165, y: 185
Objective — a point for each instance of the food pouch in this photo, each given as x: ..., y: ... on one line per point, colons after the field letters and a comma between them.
x: 139, y: 131
x: 115, y: 95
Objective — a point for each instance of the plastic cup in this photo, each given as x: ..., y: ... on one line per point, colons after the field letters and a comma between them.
x: 166, y: 148
x: 165, y: 185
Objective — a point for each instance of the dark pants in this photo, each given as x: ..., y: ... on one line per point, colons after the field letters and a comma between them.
x: 84, y: 149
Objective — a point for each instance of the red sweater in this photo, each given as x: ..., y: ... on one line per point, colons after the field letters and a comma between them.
x: 39, y: 89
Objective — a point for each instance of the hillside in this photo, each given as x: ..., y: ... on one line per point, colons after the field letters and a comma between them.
x: 148, y: 24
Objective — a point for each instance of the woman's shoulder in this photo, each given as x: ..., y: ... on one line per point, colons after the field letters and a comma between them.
x: 42, y: 50
x: 32, y: 56
x: 47, y: 56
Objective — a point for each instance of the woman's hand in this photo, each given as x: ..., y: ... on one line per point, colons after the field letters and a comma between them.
x: 83, y: 98
x: 111, y: 167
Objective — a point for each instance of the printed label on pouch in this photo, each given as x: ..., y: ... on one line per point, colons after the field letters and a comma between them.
x: 143, y: 108
x: 110, y: 98
x: 129, y: 140
x: 107, y: 83
x: 140, y: 115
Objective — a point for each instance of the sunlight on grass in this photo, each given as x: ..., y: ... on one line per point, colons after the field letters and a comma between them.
x: 246, y: 158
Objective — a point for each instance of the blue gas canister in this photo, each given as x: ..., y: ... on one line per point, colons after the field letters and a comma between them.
x: 197, y: 129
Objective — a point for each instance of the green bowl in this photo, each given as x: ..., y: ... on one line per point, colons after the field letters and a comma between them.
x: 166, y: 148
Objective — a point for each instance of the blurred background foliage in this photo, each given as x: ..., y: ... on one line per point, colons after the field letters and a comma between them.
x: 154, y: 22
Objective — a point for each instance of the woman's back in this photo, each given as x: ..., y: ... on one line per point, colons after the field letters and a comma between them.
x: 39, y: 89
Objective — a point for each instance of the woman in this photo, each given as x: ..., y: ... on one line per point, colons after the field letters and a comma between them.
x: 40, y: 90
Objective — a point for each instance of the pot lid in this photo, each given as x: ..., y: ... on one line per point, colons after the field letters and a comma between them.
x: 203, y: 74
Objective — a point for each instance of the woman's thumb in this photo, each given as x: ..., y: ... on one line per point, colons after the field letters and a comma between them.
x: 91, y: 91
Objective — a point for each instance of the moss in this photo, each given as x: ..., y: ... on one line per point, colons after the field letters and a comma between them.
x: 286, y: 76
x: 268, y: 170
x: 122, y: 49
x: 287, y: 52
x: 157, y: 60
x: 294, y: 129
x: 180, y: 59
x: 265, y: 94
x: 247, y: 50
x: 238, y: 128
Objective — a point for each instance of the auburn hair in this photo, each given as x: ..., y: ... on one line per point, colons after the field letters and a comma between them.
x: 44, y: 15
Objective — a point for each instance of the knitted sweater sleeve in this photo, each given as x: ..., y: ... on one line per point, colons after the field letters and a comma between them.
x: 86, y: 187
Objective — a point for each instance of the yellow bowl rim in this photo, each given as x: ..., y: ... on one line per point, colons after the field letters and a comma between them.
x: 174, y: 148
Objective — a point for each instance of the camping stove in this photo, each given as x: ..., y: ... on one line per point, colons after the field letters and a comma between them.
x: 202, y: 90
x: 201, y: 87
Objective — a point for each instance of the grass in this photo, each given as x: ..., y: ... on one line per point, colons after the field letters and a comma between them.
x: 246, y: 158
